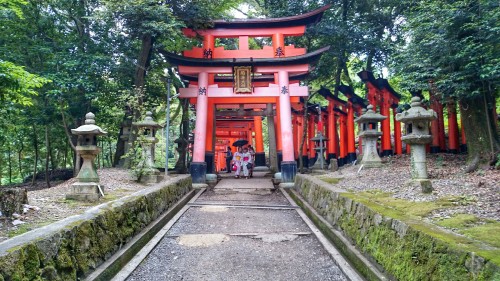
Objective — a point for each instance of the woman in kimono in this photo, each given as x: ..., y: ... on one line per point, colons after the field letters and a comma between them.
x: 247, y: 160
x: 238, y: 160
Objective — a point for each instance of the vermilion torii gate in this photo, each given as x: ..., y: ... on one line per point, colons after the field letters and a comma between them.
x: 222, y: 79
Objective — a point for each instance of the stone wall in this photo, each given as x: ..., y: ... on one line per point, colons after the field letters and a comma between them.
x: 406, y: 250
x: 71, y: 248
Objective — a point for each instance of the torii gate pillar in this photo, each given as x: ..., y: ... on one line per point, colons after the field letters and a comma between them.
x: 198, y: 168
x: 288, y: 165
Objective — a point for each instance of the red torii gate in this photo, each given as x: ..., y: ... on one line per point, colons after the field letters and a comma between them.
x: 381, y: 95
x: 208, y: 65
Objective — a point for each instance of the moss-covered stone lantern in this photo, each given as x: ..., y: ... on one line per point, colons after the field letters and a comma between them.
x: 86, y: 187
x: 147, y: 131
x: 416, y: 120
x: 370, y: 134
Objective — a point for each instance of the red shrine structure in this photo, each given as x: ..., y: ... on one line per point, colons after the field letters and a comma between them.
x: 233, y: 89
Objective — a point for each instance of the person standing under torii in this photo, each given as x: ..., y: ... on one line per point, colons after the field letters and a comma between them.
x: 237, y: 160
x: 229, y: 157
x: 246, y: 162
x: 252, y: 160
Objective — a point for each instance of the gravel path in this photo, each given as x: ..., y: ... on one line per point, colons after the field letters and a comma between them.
x: 226, y: 243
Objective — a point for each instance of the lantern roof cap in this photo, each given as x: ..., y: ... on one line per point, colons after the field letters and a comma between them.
x: 147, y: 122
x: 370, y: 116
x: 416, y: 112
x: 89, y: 128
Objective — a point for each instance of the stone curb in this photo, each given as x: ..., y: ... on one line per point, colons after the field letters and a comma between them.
x: 400, y: 250
x: 72, y: 248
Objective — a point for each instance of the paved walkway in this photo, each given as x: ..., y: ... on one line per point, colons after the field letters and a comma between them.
x: 240, y: 230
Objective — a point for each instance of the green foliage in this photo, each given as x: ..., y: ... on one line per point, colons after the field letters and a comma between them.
x: 136, y: 159
x: 17, y: 85
x: 12, y: 6
x: 453, y: 43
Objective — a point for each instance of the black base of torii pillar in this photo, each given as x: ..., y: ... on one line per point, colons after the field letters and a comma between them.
x: 288, y: 171
x: 198, y: 171
x: 260, y: 159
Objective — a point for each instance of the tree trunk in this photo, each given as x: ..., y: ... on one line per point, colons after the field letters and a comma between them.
x: 35, y: 163
x: 478, y: 122
x: 110, y: 153
x: 143, y: 62
x: 182, y: 141
x: 1, y: 164
x: 72, y: 141
x: 9, y: 161
x: 47, y: 155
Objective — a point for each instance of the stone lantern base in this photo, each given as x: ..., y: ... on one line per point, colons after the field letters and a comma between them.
x: 84, y: 191
x: 425, y: 185
x: 372, y: 163
x: 151, y: 176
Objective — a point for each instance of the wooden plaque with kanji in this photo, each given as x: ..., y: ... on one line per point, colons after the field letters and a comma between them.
x: 242, y: 79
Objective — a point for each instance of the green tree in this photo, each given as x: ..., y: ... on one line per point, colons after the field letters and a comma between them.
x: 17, y: 85
x: 454, y: 45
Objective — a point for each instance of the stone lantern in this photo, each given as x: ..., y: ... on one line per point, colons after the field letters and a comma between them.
x: 147, y: 128
x: 320, y: 149
x: 86, y: 187
x: 320, y: 140
x: 370, y: 134
x: 416, y: 121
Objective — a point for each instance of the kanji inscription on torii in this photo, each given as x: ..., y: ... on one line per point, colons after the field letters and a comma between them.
x: 242, y: 79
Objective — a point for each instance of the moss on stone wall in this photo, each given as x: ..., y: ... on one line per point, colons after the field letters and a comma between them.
x: 75, y: 249
x: 404, y: 245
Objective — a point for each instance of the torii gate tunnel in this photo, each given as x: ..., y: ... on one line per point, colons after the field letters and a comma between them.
x: 264, y: 82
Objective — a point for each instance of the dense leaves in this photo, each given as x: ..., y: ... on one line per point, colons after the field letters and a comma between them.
x: 101, y: 56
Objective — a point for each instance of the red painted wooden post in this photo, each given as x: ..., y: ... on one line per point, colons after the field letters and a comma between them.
x: 332, y: 132
x: 398, y: 145
x: 351, y: 144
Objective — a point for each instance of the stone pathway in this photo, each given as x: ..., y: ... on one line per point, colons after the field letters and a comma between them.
x: 241, y: 230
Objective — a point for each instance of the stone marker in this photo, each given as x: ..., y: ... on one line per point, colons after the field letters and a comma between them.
x: 147, y: 128
x: 86, y: 187
x: 416, y: 121
x: 370, y: 134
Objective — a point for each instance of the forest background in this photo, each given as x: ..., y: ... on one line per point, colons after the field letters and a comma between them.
x: 60, y: 59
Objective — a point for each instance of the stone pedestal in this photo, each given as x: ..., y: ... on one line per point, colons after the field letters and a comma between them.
x: 85, y: 191
x: 334, y: 165
x: 370, y: 155
x: 418, y: 162
x: 86, y: 186
x: 369, y: 135
x: 149, y: 174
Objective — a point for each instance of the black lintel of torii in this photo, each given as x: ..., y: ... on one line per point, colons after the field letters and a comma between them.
x: 309, y: 58
x: 241, y: 113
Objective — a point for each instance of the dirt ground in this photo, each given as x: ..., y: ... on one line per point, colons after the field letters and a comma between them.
x: 476, y: 194
x: 47, y: 205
